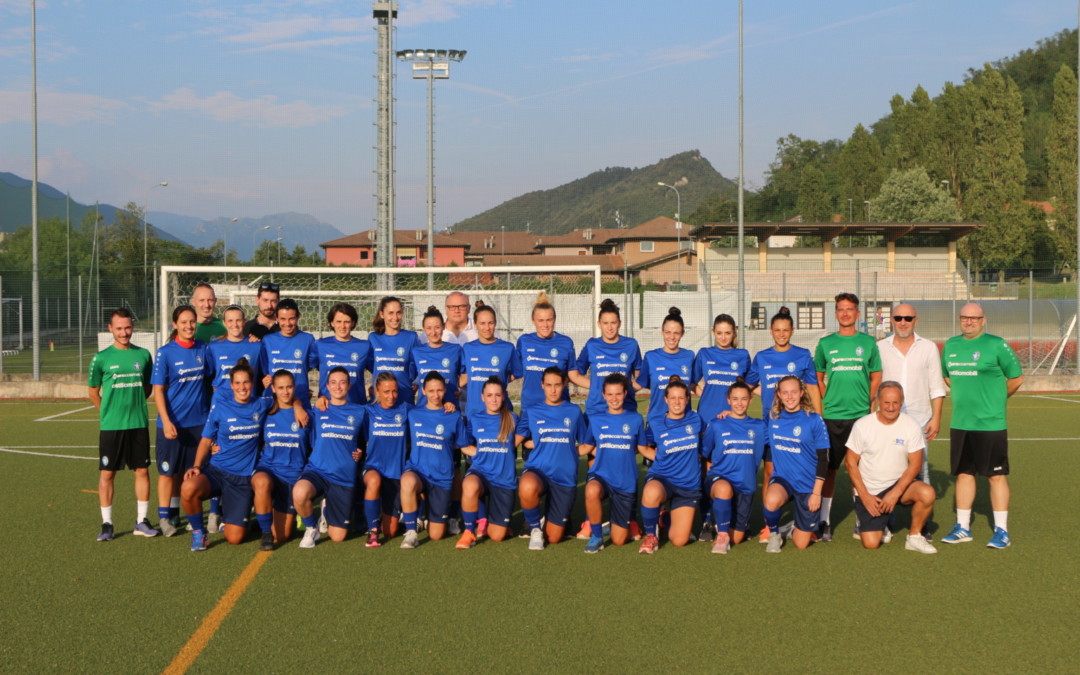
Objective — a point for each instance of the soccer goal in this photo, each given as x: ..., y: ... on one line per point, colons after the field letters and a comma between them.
x: 511, y: 291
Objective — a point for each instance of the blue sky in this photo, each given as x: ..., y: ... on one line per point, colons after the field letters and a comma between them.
x: 251, y: 108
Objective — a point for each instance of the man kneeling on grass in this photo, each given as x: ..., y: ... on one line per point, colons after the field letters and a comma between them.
x: 884, y: 457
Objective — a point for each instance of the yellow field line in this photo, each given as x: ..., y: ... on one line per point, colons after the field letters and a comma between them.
x: 201, y: 637
x: 93, y: 492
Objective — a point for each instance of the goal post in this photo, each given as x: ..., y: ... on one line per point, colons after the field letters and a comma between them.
x: 511, y: 290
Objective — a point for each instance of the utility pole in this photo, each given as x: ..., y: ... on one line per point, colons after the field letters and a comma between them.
x: 384, y: 12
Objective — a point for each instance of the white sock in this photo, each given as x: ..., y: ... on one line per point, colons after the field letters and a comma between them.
x: 106, y: 514
x: 1001, y: 519
x: 826, y: 510
x: 143, y: 508
x: 174, y: 503
x: 963, y: 518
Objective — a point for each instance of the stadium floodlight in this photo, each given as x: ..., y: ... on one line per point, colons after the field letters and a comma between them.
x: 430, y: 65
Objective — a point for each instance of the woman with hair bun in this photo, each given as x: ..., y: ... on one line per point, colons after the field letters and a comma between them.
x: 391, y: 346
x: 663, y: 362
x: 437, y: 356
x: 609, y: 354
x: 485, y: 357
x: 540, y: 350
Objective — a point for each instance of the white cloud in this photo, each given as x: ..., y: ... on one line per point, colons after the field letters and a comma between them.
x: 419, y: 12
x: 296, y: 26
x: 58, y: 107
x: 336, y: 41
x: 262, y: 111
x: 587, y: 58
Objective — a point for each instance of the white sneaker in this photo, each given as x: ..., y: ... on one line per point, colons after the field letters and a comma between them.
x: 453, y: 526
x: 776, y: 543
x: 213, y: 523
x: 886, y: 536
x: 323, y: 526
x: 917, y: 542
x: 311, y: 535
x: 410, y: 539
x: 786, y: 529
x: 536, y: 539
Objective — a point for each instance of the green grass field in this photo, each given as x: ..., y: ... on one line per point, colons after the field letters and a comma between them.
x: 72, y: 604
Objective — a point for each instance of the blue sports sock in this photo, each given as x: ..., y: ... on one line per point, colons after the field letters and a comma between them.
x: 174, y: 512
x: 721, y: 512
x: 215, y: 505
x: 408, y: 519
x: 196, y: 522
x: 455, y: 509
x: 266, y: 521
x: 373, y: 513
x: 482, y: 512
x: 651, y: 516
x: 163, y: 512
x: 469, y: 517
x: 706, y: 516
x: 310, y: 521
x: 532, y: 517
x: 597, y: 530
x: 772, y: 519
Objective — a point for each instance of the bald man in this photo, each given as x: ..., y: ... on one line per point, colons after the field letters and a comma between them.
x: 982, y: 372
x: 458, y: 329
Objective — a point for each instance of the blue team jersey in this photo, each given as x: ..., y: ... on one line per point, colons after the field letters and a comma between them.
x: 556, y: 432
x: 434, y: 435
x: 770, y: 365
x: 392, y: 354
x: 719, y: 368
x: 286, y: 445
x: 656, y: 369
x: 533, y: 354
x: 296, y: 354
x: 794, y: 439
x: 386, y: 438
x: 185, y: 372
x: 678, y: 446
x: 735, y: 448
x: 224, y: 355
x: 600, y: 359
x: 480, y: 361
x: 444, y: 360
x: 237, y: 429
x: 335, y: 435
x: 493, y: 460
x: 353, y: 355
x: 616, y: 438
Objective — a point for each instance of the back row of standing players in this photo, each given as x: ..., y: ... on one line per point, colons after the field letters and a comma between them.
x: 468, y: 358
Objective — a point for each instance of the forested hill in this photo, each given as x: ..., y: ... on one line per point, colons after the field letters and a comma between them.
x: 605, y: 197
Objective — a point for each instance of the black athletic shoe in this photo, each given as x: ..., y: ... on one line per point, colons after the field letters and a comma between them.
x: 106, y: 532
x: 707, y: 530
x: 267, y: 541
x: 824, y: 532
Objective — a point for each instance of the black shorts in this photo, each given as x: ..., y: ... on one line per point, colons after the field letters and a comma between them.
x: 983, y: 453
x: 123, y: 448
x: 869, y: 523
x: 839, y: 431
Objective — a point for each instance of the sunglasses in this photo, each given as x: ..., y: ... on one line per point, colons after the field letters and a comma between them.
x: 899, y: 319
x: 267, y: 286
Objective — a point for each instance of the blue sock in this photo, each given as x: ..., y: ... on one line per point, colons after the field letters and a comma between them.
x: 196, y: 522
x: 310, y: 521
x: 597, y: 530
x: 408, y: 519
x: 721, y: 512
x: 651, y: 516
x: 455, y: 509
x: 532, y: 517
x: 215, y: 505
x: 373, y: 513
x: 772, y: 519
x: 163, y: 512
x: 481, y: 514
x: 706, y: 517
x: 469, y: 517
x: 266, y: 521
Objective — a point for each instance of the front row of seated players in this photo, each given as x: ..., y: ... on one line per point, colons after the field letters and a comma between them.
x: 347, y: 440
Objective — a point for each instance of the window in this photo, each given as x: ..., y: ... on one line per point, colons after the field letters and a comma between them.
x: 810, y: 315
x: 364, y: 255
x: 687, y: 244
x: 647, y: 246
x: 758, y: 316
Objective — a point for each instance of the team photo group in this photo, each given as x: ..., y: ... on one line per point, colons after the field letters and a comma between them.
x: 405, y: 432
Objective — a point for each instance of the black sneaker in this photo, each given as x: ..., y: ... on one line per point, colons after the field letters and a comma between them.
x: 707, y: 531
x: 267, y: 541
x: 106, y: 532
x: 824, y: 532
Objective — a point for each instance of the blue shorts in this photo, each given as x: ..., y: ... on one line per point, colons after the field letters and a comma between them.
x: 678, y: 496
x: 740, y: 505
x: 176, y: 455
x: 805, y: 519
x: 280, y: 491
x: 235, y: 492
x: 438, y: 499
x: 389, y: 493
x: 560, y: 499
x: 621, y: 503
x: 500, y: 500
x: 339, y: 498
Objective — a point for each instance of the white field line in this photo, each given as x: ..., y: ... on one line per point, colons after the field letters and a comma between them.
x: 47, y: 454
x: 69, y: 412
x: 1055, y: 398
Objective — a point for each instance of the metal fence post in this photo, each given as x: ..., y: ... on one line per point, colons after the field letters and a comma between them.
x: 1031, y: 316
x: 81, y: 311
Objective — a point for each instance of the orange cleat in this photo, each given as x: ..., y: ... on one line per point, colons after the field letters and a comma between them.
x: 649, y: 544
x: 586, y: 530
x: 468, y: 540
x: 763, y: 538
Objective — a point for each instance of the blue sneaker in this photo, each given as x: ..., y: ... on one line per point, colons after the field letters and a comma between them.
x: 1000, y: 539
x: 596, y: 544
x: 198, y: 540
x: 958, y: 535
x: 106, y: 532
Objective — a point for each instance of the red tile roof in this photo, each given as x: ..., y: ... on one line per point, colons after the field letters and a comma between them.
x: 607, y: 263
x: 661, y: 228
x: 484, y: 243
x: 401, y: 238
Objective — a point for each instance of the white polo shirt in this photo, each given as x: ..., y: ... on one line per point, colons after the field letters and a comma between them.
x: 467, y: 335
x: 919, y: 373
x: 883, y: 449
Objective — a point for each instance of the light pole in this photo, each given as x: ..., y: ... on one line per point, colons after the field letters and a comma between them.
x: 431, y: 65
x: 278, y: 240
x: 225, y: 243
x: 678, y: 230
x: 146, y: 206
x: 253, y: 250
x: 866, y: 203
x: 850, y: 212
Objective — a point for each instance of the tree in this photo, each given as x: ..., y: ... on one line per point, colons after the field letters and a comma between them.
x: 912, y: 197
x: 813, y: 201
x: 952, y: 144
x: 859, y: 167
x: 1061, y: 163
x: 912, y: 130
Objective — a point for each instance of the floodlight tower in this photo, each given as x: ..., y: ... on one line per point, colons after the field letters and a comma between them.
x: 431, y: 65
x: 384, y: 12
